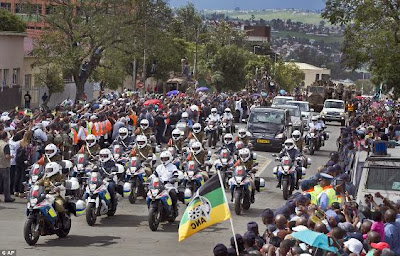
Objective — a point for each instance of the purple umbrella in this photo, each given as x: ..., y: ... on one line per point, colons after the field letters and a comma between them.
x: 202, y: 89
x: 173, y: 93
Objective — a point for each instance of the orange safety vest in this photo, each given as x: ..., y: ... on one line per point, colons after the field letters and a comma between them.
x: 74, y: 136
x: 93, y: 129
x: 109, y: 126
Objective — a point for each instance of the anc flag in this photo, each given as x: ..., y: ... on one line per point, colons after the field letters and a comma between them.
x: 207, y: 208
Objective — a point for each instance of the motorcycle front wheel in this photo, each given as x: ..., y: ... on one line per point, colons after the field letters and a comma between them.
x: 133, y: 196
x: 91, y: 214
x: 285, y: 188
x: 238, y: 202
x: 154, y: 218
x: 64, y: 231
x: 31, y: 235
x: 114, y: 204
x: 312, y: 148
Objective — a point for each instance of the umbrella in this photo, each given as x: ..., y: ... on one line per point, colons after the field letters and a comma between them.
x: 315, y: 239
x: 282, y: 92
x: 359, y: 97
x: 153, y: 102
x: 202, y: 89
x: 256, y: 95
x: 264, y: 94
x: 173, y: 93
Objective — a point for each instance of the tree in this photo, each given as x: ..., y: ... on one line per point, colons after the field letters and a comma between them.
x: 371, y: 36
x: 11, y: 22
x: 186, y: 22
x: 288, y: 75
x: 50, y: 77
x: 79, y: 39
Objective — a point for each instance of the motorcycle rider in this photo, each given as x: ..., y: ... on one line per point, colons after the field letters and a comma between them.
x: 228, y: 144
x: 123, y: 139
x: 51, y: 154
x: 91, y: 149
x: 247, y: 159
x: 166, y: 171
x: 53, y: 175
x: 199, y: 155
x: 197, y: 133
x: 298, y: 140
x: 229, y: 117
x: 185, y: 119
x: 106, y: 167
x: 243, y: 136
x: 214, y: 116
x: 291, y: 150
x: 142, y: 150
x: 176, y: 141
x: 144, y: 129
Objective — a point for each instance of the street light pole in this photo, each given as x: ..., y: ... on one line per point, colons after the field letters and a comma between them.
x: 134, y: 69
x: 195, y: 57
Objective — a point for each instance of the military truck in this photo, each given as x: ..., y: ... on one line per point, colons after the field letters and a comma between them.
x: 318, y: 92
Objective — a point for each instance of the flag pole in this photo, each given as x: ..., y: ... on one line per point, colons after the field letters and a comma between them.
x: 230, y: 219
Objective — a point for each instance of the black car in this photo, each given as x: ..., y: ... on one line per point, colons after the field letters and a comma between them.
x: 269, y: 127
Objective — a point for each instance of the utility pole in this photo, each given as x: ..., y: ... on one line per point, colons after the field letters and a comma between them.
x: 134, y: 69
x: 144, y: 60
x: 195, y: 57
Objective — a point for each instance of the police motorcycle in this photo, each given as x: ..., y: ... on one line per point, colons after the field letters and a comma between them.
x: 287, y: 172
x: 42, y: 218
x: 79, y: 175
x: 99, y: 200
x: 159, y: 201
x: 224, y: 164
x: 211, y: 133
x: 34, y: 173
x: 225, y: 127
x: 314, y: 141
x: 192, y: 180
x: 241, y: 188
x: 137, y: 178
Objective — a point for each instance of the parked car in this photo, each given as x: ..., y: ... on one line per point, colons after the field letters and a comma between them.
x: 281, y: 100
x: 334, y: 110
x: 306, y: 111
x: 269, y: 127
x: 295, y: 118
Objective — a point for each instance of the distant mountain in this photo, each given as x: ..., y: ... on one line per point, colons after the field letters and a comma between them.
x: 312, y: 5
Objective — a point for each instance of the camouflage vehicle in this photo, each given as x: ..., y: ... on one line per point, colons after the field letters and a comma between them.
x: 318, y: 92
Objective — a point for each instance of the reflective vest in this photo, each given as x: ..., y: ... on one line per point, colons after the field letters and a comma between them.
x: 74, y: 136
x: 313, y: 195
x: 350, y: 107
x: 331, y: 193
x: 108, y: 126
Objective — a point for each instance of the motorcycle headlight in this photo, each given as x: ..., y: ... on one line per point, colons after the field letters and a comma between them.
x: 34, y: 178
x: 297, y: 123
x: 323, y: 113
x: 239, y: 179
x: 33, y: 201
x: 154, y: 192
x: 342, y: 114
x: 92, y: 187
x: 279, y: 136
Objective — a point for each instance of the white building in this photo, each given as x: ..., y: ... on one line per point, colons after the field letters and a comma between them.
x: 313, y: 73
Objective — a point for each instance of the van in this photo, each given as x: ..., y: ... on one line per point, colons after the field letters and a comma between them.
x: 334, y: 110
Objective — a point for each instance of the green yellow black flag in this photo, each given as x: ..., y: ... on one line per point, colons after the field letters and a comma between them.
x: 208, y: 207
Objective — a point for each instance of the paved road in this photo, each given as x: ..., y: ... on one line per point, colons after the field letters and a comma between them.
x: 128, y: 232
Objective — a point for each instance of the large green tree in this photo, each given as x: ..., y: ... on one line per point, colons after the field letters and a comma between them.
x: 372, y: 36
x: 10, y: 22
x: 81, y: 39
x: 187, y: 23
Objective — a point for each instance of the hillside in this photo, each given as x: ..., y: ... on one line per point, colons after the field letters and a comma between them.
x: 294, y: 15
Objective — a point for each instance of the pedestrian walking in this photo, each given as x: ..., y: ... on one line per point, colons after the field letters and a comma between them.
x: 5, y: 158
x: 27, y: 98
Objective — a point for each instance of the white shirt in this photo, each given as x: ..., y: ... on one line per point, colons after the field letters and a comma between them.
x: 14, y: 145
x: 165, y: 173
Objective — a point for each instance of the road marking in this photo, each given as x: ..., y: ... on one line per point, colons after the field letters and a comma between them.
x: 264, y: 166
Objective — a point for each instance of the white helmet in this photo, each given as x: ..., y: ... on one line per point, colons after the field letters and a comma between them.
x: 244, y: 154
x: 144, y: 124
x: 141, y: 141
x: 181, y: 126
x: 50, y: 150
x: 289, y: 144
x: 176, y: 134
x: 51, y: 169
x: 228, y: 138
x: 123, y: 132
x: 296, y: 135
x: 165, y: 157
x: 105, y: 155
x: 227, y: 110
x: 80, y: 207
x: 194, y: 108
x: 242, y: 133
x: 213, y: 111
x: 196, y: 147
x: 90, y: 140
x: 185, y: 115
x: 196, y: 128
x: 314, y: 118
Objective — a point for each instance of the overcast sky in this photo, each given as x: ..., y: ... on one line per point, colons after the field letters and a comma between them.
x: 252, y: 4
